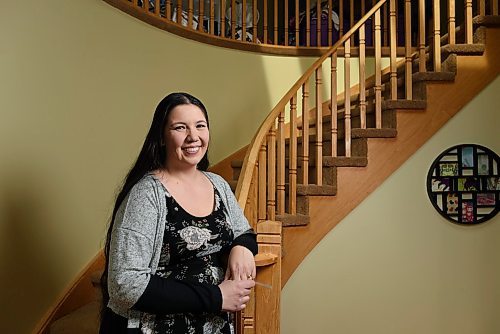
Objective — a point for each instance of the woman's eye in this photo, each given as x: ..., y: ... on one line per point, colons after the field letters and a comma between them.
x: 180, y: 128
x: 200, y: 126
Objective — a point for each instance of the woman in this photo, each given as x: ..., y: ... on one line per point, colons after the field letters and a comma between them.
x: 172, y: 226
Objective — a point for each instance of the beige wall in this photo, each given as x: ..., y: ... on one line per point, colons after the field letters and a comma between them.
x: 79, y: 81
x: 394, y: 265
x: 78, y: 84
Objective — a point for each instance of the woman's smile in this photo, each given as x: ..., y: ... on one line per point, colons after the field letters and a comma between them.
x: 192, y: 149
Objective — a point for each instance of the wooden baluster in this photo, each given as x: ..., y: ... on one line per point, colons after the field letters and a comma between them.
x: 362, y: 79
x: 308, y: 23
x: 319, y: 130
x: 392, y: 32
x: 254, y: 18
x: 305, y: 132
x: 378, y: 72
x: 262, y: 188
x: 351, y: 23
x: 201, y: 16
x: 292, y: 164
x: 157, y: 7
x: 347, y: 97
x: 211, y: 22
x: 239, y: 321
x: 330, y: 23
x: 222, y: 28
x: 179, y: 11
x: 481, y: 7
x: 397, y: 18
x: 168, y: 10
x: 280, y: 181
x: 468, y: 22
x: 271, y: 174
x: 334, y: 106
x: 190, y: 14
x: 421, y: 36
x: 363, y: 12
x: 246, y: 319
x: 275, y: 27
x: 144, y: 4
x: 233, y: 19
x: 437, y: 37
x: 247, y: 325
x: 341, y: 18
x: 244, y: 20
x: 265, y: 22
x: 451, y: 21
x: 385, y: 24
x: 286, y: 23
x: 252, y: 199
x: 267, y: 301
x: 318, y: 23
x: 494, y: 7
x: 373, y: 25
x: 297, y: 36
x: 408, y: 52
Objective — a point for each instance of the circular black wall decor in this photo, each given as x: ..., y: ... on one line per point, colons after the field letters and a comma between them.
x: 463, y: 184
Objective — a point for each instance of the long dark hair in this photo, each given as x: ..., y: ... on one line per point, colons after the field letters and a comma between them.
x: 151, y: 157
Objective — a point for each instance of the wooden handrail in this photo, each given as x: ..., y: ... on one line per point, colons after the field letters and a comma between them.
x: 205, y: 21
x: 250, y: 160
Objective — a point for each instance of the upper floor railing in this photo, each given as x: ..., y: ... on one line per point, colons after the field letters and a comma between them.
x: 291, y: 27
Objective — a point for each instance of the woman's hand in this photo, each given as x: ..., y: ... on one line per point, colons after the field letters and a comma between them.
x: 241, y: 264
x: 235, y: 294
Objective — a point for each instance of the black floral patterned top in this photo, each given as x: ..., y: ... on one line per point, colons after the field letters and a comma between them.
x: 191, y: 252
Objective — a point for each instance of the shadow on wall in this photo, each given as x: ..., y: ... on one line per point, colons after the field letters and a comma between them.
x: 30, y: 276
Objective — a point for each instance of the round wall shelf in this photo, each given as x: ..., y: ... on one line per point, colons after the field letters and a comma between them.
x: 463, y: 184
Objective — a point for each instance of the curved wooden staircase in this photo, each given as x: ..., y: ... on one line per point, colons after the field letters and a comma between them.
x: 308, y: 167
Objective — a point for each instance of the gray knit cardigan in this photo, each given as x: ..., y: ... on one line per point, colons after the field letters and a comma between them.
x: 137, y: 238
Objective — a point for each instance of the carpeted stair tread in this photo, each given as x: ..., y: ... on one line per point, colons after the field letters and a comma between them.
x: 345, y: 161
x: 404, y: 104
x: 462, y: 49
x: 433, y: 76
x: 293, y: 220
x: 374, y: 133
x: 487, y: 20
x: 315, y: 190
x: 84, y: 320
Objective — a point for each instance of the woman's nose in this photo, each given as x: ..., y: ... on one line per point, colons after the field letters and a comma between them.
x: 192, y: 135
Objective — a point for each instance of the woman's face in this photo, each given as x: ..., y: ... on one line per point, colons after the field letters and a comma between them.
x: 186, y: 136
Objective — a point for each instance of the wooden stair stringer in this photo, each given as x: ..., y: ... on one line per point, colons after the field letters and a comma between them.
x: 80, y: 292
x: 385, y: 156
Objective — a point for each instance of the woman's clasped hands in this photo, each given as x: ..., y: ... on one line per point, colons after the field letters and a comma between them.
x: 238, y: 281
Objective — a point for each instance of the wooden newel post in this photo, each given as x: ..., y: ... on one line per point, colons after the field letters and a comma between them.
x: 262, y: 315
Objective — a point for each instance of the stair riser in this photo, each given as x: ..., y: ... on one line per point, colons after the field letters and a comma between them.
x: 358, y: 148
x: 329, y: 175
x: 388, y: 120
x: 302, y: 205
